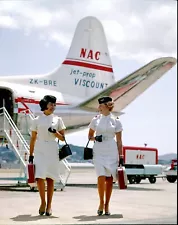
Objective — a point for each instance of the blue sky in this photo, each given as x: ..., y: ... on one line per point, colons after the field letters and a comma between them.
x: 35, y: 37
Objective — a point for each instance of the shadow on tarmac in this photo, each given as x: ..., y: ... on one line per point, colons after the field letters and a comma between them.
x: 29, y: 217
x: 94, y: 218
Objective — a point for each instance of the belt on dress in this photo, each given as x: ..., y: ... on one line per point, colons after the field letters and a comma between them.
x: 105, y: 138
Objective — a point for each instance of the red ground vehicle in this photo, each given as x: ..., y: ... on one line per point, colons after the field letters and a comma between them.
x: 141, y: 163
x: 171, y: 172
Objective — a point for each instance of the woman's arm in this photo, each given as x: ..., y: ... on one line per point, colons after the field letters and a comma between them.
x: 91, y: 135
x: 32, y: 142
x: 60, y: 130
x: 119, y: 143
x: 60, y: 135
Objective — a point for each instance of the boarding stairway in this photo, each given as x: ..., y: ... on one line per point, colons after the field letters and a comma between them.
x: 19, y: 143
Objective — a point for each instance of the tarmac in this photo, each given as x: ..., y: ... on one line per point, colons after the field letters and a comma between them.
x: 142, y: 203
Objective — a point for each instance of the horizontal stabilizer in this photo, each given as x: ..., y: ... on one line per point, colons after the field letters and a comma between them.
x: 129, y: 88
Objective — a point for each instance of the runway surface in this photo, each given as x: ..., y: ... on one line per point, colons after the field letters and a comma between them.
x: 142, y: 203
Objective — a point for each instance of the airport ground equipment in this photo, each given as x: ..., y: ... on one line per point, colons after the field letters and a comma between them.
x: 141, y: 163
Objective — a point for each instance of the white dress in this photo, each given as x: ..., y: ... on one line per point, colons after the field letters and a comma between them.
x: 105, y: 153
x: 46, y: 158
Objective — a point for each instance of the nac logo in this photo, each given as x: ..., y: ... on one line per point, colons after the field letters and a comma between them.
x: 89, y: 54
x: 140, y: 156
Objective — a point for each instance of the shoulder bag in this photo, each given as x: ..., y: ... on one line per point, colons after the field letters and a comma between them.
x: 88, y: 152
x: 64, y: 151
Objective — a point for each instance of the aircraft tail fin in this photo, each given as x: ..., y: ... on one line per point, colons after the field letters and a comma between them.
x: 87, y: 68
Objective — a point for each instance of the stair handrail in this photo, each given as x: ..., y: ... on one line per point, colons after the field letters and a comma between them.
x: 30, y: 113
x: 16, y: 129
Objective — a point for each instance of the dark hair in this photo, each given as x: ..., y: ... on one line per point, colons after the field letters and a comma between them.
x: 46, y: 99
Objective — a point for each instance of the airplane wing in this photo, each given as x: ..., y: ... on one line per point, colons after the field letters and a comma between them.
x: 130, y: 87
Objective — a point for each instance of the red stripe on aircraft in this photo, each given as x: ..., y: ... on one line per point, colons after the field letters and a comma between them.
x: 88, y: 65
x: 33, y: 101
x: 121, y: 90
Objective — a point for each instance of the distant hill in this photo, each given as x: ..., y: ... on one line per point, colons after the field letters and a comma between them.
x: 168, y: 157
x: 8, y: 155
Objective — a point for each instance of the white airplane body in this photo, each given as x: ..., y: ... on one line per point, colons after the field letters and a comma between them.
x: 85, y: 75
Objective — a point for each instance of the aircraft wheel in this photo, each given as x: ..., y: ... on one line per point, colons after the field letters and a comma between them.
x: 152, y: 179
x: 171, y: 179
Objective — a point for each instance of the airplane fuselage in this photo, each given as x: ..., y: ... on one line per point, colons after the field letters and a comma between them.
x: 19, y: 100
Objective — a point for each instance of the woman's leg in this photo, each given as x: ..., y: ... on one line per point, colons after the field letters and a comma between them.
x: 50, y: 190
x: 101, y: 190
x: 41, y: 189
x: 109, y: 186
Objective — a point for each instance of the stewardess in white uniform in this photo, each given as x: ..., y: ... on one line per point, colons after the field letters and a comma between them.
x: 44, y: 150
x: 107, y: 153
